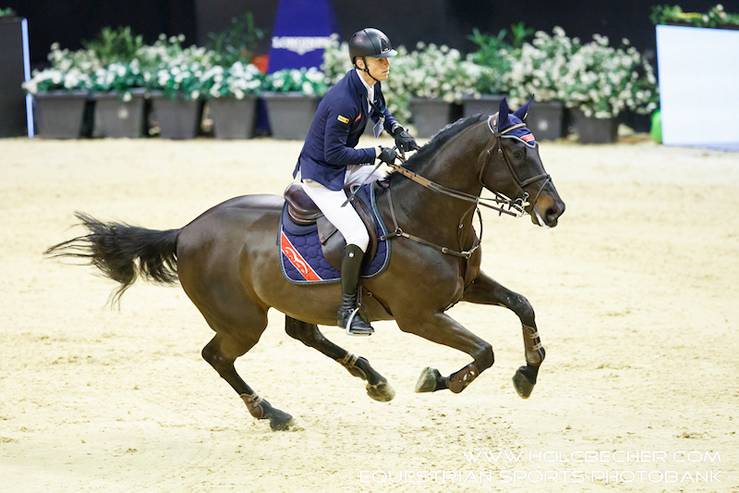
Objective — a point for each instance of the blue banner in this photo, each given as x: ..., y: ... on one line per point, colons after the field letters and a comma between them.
x: 302, y: 30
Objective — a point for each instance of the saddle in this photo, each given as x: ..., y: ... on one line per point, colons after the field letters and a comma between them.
x: 304, y: 212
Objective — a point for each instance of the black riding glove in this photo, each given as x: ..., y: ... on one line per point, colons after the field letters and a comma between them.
x: 387, y: 155
x: 403, y: 140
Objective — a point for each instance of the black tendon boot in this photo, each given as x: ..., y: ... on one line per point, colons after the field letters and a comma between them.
x: 348, y: 314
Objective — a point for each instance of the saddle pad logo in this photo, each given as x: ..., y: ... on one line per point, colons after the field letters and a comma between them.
x: 297, y: 260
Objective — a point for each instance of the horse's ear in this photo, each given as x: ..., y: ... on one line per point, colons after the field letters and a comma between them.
x: 503, y: 111
x: 523, y: 110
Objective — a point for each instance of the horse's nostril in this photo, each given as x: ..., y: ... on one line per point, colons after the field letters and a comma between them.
x: 551, y: 213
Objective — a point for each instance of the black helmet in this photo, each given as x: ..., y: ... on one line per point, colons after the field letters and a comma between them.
x: 370, y: 42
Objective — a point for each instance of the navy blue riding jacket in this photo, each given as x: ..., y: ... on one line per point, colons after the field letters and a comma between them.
x: 334, y: 133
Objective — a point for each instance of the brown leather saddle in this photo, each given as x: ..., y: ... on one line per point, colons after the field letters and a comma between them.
x: 303, y: 211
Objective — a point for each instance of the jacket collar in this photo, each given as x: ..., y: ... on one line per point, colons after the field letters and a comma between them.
x: 360, y: 90
x: 360, y: 93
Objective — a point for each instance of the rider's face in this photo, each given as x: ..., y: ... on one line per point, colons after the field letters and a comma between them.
x: 378, y: 67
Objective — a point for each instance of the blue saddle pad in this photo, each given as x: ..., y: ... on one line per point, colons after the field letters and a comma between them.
x: 301, y: 256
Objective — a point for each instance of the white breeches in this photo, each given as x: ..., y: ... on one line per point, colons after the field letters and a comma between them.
x: 345, y: 219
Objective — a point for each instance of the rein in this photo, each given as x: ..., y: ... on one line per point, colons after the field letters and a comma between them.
x: 501, y: 203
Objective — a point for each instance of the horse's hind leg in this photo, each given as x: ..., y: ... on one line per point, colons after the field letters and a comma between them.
x: 309, y: 334
x: 485, y: 290
x: 221, y: 352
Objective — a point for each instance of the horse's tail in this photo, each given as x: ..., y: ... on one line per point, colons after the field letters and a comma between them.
x: 123, y: 252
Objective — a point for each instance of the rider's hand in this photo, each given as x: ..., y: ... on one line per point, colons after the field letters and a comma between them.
x: 387, y: 155
x: 404, y: 141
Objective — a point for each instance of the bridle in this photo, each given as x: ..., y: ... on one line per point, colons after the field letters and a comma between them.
x: 500, y: 202
x: 497, y: 150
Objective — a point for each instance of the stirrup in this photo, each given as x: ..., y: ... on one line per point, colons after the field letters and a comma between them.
x: 357, y: 332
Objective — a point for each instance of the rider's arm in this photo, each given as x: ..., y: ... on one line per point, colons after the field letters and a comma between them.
x: 336, y: 152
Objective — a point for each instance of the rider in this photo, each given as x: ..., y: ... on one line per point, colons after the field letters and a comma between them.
x: 329, y: 160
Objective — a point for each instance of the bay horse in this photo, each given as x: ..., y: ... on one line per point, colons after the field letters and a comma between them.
x: 228, y: 263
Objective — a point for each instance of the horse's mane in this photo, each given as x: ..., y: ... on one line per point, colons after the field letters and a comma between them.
x: 441, y: 137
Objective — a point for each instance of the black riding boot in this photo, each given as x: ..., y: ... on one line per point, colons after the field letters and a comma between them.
x: 348, y: 315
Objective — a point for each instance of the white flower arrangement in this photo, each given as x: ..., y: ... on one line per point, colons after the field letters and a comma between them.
x: 121, y: 78
x: 596, y: 78
x: 599, y: 79
x: 164, y: 66
x: 237, y: 81
x: 68, y: 71
x: 436, y: 72
x: 51, y: 79
x: 540, y: 68
x: 174, y: 70
x: 309, y: 82
x: 603, y: 81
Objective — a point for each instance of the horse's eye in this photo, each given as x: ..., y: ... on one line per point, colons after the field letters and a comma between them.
x: 518, y: 155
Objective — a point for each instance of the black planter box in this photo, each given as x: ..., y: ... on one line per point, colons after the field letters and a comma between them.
x: 177, y: 118
x: 594, y: 130
x: 63, y: 114
x: 290, y: 114
x: 545, y: 120
x: 486, y: 104
x: 117, y: 118
x: 233, y: 118
x: 431, y: 115
x: 638, y: 123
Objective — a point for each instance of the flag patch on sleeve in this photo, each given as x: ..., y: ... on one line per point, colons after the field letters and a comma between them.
x: 342, y: 119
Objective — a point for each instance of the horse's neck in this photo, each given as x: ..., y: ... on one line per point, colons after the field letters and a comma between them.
x: 456, y: 165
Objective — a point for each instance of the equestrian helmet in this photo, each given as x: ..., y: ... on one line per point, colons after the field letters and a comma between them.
x: 370, y: 42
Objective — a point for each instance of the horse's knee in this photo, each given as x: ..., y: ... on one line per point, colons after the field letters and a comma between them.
x: 523, y: 309
x: 484, y: 356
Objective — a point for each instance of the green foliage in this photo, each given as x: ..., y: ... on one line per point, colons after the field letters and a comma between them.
x: 673, y: 14
x: 7, y: 12
x: 496, y: 52
x: 115, y: 45
x: 238, y: 43
x: 520, y: 34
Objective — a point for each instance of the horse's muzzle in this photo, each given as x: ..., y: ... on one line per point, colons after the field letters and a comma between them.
x: 552, y: 213
x: 547, y: 213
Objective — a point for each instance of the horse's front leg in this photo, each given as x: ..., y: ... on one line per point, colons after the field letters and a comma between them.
x: 485, y: 290
x: 442, y: 329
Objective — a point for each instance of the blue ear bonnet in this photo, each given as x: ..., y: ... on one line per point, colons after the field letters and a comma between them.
x: 507, y: 119
x: 523, y: 133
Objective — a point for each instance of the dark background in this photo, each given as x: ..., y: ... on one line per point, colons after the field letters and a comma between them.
x: 406, y: 22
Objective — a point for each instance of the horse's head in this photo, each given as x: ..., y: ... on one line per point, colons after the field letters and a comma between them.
x: 514, y: 168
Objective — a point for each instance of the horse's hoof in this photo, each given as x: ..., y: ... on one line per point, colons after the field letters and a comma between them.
x: 523, y: 385
x: 382, y: 391
x: 280, y: 420
x: 427, y: 380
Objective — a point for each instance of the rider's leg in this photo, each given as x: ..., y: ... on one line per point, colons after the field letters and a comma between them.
x: 351, y: 226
